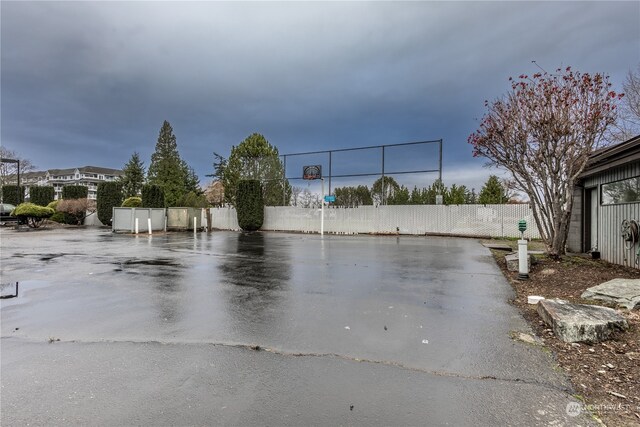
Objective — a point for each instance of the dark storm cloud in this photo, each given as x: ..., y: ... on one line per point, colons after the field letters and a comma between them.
x: 89, y: 83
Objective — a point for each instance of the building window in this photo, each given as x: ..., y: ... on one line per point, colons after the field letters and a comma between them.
x: 624, y: 191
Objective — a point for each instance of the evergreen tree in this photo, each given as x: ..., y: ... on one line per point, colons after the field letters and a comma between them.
x: 133, y: 178
x: 416, y: 196
x: 456, y: 195
x: 401, y: 197
x: 167, y: 169
x: 437, y: 188
x: 192, y: 182
x: 254, y: 159
x: 493, y: 193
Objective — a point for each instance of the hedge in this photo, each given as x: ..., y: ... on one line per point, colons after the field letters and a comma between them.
x: 152, y: 196
x: 57, y: 216
x: 41, y: 196
x: 250, y: 205
x: 75, y: 192
x: 109, y: 195
x: 11, y: 194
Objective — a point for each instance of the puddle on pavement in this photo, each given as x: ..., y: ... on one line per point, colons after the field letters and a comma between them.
x: 131, y: 264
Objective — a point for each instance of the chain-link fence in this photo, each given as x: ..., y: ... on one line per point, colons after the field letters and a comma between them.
x: 459, y: 220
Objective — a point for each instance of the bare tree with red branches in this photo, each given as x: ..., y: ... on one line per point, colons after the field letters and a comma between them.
x: 543, y: 131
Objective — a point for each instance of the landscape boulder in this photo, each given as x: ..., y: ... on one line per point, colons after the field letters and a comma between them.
x: 512, y: 261
x: 624, y: 292
x: 580, y: 322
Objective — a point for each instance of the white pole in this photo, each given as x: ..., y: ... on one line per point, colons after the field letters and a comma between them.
x: 523, y: 260
x: 195, y: 224
x: 149, y: 225
x: 322, y: 209
x: 136, y: 228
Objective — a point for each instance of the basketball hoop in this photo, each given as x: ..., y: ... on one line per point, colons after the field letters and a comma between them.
x: 312, y: 172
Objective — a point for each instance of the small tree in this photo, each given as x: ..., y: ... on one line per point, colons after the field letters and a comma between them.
x: 109, y: 196
x: 167, y: 169
x: 492, y: 192
x: 254, y: 159
x: 12, y: 194
x: 132, y: 178
x: 543, y: 131
x: 9, y: 171
x: 152, y: 196
x: 384, y: 189
x: 75, y: 192
x: 33, y: 215
x: 76, y: 210
x: 250, y: 205
x: 41, y: 196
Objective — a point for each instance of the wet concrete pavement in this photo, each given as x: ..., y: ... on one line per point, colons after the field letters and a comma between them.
x: 265, y: 329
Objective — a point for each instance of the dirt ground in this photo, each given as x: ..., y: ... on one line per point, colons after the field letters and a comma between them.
x: 606, y: 376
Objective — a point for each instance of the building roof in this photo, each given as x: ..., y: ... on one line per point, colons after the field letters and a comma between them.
x: 85, y: 169
x: 612, y: 156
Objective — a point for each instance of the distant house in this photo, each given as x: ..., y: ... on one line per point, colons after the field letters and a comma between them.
x: 608, y: 194
x: 89, y: 176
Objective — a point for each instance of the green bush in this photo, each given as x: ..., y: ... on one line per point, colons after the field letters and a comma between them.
x: 75, y: 192
x: 132, y: 202
x: 250, y: 205
x: 32, y: 214
x: 41, y: 196
x: 109, y: 195
x: 12, y: 194
x: 57, y: 216
x: 192, y: 200
x: 152, y: 196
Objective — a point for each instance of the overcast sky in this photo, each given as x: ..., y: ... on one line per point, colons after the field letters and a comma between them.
x: 89, y: 83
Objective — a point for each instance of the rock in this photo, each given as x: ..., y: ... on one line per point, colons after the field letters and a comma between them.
x: 548, y: 272
x: 529, y: 339
x: 624, y: 292
x: 534, y: 299
x: 579, y: 322
x: 512, y: 261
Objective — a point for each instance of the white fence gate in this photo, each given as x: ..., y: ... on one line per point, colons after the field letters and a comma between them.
x: 461, y: 220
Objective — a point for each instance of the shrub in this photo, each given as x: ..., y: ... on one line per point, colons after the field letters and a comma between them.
x: 57, y: 216
x: 12, y: 194
x: 75, y: 192
x: 41, y: 196
x: 193, y: 200
x: 109, y: 196
x: 250, y: 205
x: 152, y: 196
x: 132, y: 202
x: 75, y: 210
x: 32, y: 214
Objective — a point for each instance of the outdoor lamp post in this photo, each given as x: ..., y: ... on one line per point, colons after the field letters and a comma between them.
x: 523, y: 256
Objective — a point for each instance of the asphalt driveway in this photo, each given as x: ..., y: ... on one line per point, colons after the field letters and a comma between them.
x: 265, y: 329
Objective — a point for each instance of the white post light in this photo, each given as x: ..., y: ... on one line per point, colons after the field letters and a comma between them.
x: 195, y: 224
x: 136, y: 227
x: 149, y: 225
x: 523, y: 255
x: 322, y: 209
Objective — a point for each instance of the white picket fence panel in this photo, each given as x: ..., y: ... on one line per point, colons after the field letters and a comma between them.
x: 460, y: 220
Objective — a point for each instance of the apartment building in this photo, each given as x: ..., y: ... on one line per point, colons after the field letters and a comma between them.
x: 89, y: 176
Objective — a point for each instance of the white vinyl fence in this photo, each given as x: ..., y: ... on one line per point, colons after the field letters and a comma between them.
x: 460, y: 220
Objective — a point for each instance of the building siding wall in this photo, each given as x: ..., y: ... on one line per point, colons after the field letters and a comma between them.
x: 574, y: 240
x: 610, y: 243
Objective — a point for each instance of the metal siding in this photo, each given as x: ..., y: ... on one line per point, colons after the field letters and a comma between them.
x: 610, y: 217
